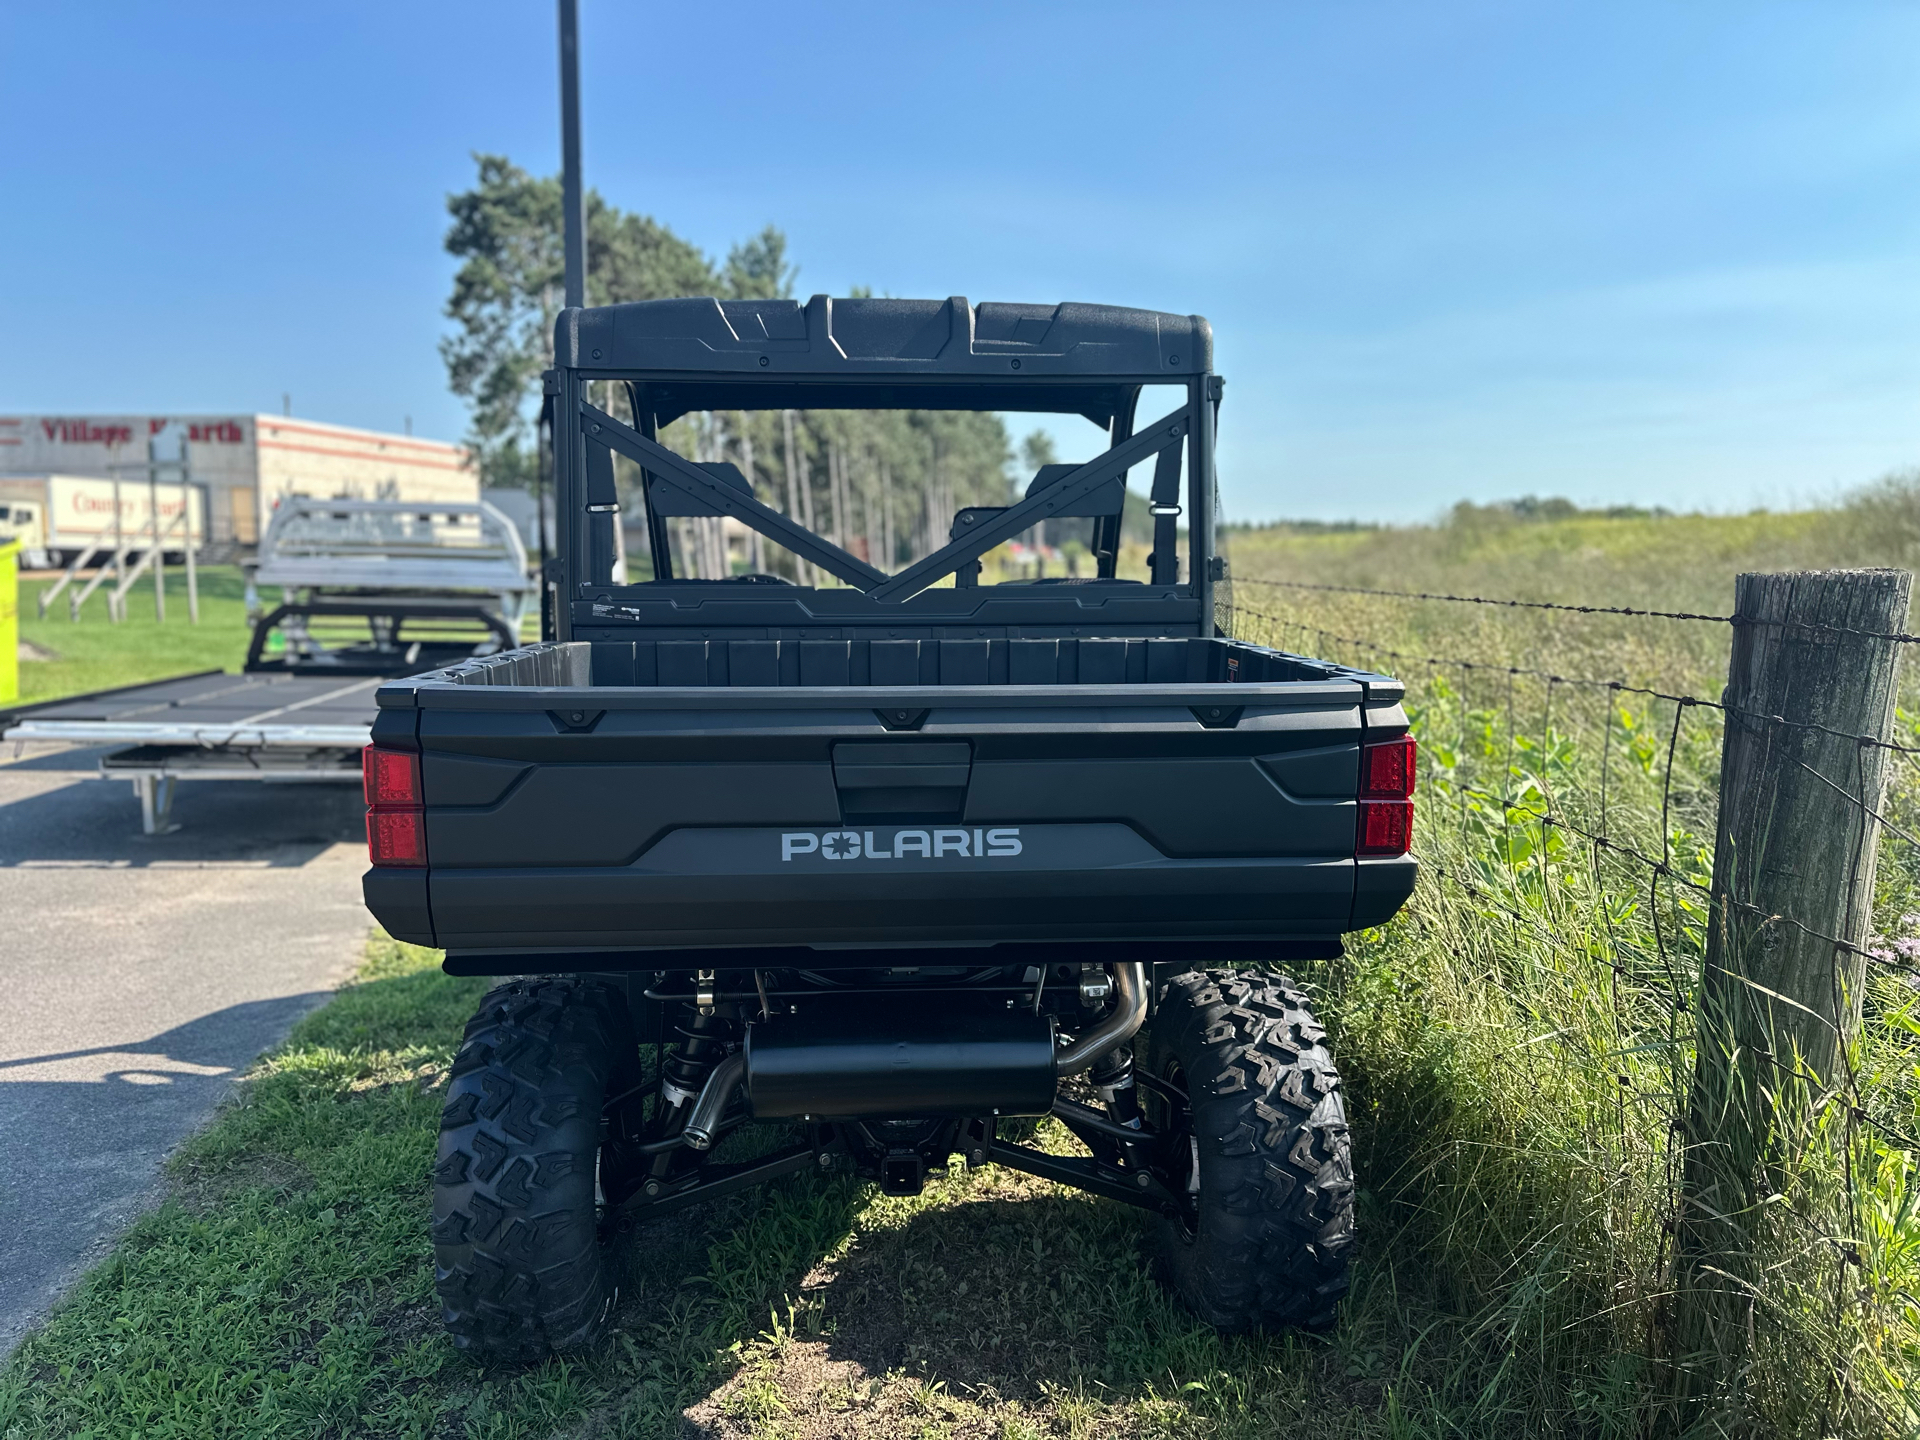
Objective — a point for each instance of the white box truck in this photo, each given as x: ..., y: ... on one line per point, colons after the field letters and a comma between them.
x: 56, y: 517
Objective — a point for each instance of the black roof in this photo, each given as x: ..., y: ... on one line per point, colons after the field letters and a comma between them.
x: 865, y: 339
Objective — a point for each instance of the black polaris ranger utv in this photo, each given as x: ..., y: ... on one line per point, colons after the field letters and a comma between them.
x: 885, y: 863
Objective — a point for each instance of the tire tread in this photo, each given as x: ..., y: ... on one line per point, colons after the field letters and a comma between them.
x: 1275, y: 1228
x: 519, y: 1263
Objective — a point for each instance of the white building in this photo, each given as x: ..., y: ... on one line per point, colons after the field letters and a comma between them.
x: 247, y: 463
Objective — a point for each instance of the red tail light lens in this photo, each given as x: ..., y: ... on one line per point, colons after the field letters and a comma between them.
x: 1386, y: 827
x: 396, y: 824
x: 1386, y: 806
x: 396, y: 837
x: 1387, y: 770
x: 391, y: 777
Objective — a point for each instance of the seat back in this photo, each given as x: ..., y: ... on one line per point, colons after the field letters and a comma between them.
x: 1107, y: 499
x: 965, y: 518
x: 669, y: 501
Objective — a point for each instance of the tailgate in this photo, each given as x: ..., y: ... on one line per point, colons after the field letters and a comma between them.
x: 622, y: 818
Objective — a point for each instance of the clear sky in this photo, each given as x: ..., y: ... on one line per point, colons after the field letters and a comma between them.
x: 1658, y: 253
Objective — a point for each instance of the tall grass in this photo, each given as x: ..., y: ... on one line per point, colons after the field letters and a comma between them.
x: 1519, y: 1043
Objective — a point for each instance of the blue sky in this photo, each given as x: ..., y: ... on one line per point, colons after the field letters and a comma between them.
x: 1665, y: 253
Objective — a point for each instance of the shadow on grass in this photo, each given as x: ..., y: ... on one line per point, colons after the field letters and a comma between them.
x: 992, y: 1302
x: 1016, y: 1296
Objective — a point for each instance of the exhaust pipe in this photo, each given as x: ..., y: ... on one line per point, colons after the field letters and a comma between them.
x: 1129, y: 1014
x: 935, y: 1073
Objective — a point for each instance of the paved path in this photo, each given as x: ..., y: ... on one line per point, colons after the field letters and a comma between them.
x: 139, y: 975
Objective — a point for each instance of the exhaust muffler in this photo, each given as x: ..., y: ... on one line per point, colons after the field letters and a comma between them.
x: 867, y: 1060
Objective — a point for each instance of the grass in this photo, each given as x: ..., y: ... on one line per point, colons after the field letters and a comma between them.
x: 93, y: 653
x: 1514, y: 1045
x: 1520, y: 1041
x: 285, y: 1289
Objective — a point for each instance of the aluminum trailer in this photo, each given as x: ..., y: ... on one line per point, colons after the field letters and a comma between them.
x: 385, y: 587
x: 316, y: 549
x: 214, y: 726
x: 430, y: 584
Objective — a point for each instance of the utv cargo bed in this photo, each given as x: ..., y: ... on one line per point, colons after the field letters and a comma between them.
x: 663, y: 795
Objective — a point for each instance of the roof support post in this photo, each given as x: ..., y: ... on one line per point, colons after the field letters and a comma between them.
x: 1200, y: 497
x: 569, y: 499
x: 572, y: 197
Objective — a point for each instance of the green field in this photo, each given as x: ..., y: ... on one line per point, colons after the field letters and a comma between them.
x: 62, y: 656
x: 94, y: 653
x: 1515, y: 1046
x: 1520, y: 1039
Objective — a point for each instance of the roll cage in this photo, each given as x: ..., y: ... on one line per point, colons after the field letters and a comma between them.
x: 678, y: 356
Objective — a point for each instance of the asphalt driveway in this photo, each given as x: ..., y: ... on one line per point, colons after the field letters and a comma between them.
x: 141, y: 974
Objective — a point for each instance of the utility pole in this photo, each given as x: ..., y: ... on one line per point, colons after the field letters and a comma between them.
x: 159, y: 556
x: 189, y: 489
x: 572, y: 199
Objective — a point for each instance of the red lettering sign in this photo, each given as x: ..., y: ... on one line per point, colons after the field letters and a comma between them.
x: 84, y: 432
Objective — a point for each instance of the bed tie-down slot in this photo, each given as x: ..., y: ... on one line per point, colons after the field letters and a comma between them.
x: 898, y: 779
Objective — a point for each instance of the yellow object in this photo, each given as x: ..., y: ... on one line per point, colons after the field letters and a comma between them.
x: 9, y: 620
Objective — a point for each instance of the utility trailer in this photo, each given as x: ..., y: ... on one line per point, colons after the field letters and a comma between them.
x: 69, y: 519
x: 372, y: 589
x: 417, y: 575
x: 880, y: 866
x: 213, y: 726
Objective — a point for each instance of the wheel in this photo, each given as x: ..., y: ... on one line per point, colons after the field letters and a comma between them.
x: 519, y: 1258
x: 1261, y: 1151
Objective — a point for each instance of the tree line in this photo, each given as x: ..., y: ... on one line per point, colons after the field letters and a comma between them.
x: 884, y: 485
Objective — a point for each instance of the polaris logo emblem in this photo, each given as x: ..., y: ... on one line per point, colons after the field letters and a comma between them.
x: 902, y: 844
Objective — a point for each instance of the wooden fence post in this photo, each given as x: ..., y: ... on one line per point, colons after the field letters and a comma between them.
x: 1792, y: 898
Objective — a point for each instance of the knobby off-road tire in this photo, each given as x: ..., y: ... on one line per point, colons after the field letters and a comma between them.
x: 1268, y: 1242
x: 518, y: 1259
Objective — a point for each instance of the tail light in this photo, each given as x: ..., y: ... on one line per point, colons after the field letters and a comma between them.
x: 1386, y: 797
x: 396, y: 817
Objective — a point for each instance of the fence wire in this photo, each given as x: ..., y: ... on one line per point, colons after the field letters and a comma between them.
x: 1485, y: 600
x: 1899, y: 637
x: 1577, y: 815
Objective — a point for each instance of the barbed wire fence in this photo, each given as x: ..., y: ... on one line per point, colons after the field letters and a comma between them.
x: 1712, y: 863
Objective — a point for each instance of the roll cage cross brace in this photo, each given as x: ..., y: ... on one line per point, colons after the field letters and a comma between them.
x: 588, y: 496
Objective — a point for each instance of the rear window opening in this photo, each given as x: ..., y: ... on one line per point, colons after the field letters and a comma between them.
x: 888, y: 489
